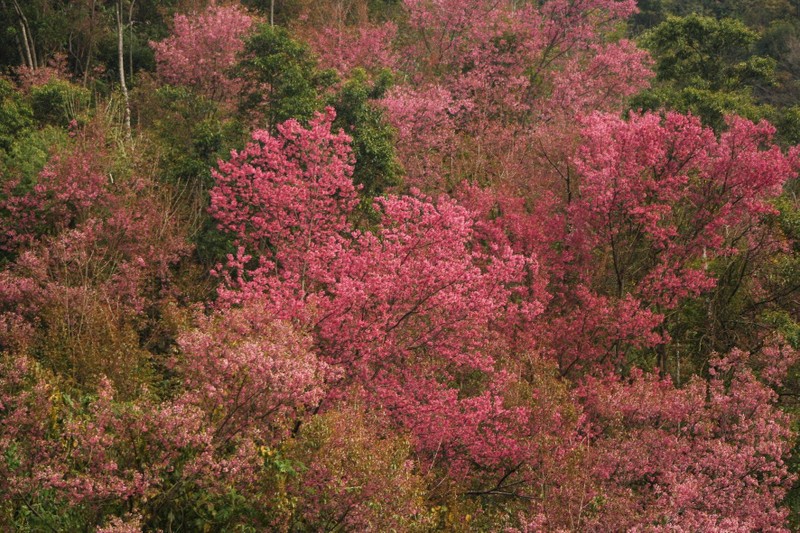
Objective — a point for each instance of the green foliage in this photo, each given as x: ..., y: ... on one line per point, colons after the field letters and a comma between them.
x: 784, y: 324
x: 707, y: 67
x: 283, y: 76
x: 701, y: 51
x: 211, y: 245
x: 381, y: 10
x: 352, y: 466
x: 137, y: 51
x: 651, y: 13
x: 30, y: 151
x: 754, y: 13
x: 711, y: 106
x: 190, y: 131
x: 779, y: 41
x: 204, y: 511
x: 289, y: 85
x: 790, y: 218
x: 788, y: 124
x: 57, y: 102
x: 377, y: 167
x: 737, y: 56
x: 285, y: 11
x: 15, y: 115
x: 44, y: 512
x: 85, y: 341
x: 48, y: 22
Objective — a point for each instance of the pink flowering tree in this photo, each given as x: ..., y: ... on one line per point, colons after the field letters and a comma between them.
x: 412, y: 310
x: 344, y: 36
x: 143, y: 454
x: 689, y: 196
x: 253, y: 376
x: 345, y: 48
x: 284, y: 194
x: 637, y: 226
x: 65, y: 190
x: 402, y: 312
x: 202, y: 49
x: 512, y: 79
x: 638, y: 453
x: 660, y: 199
x: 709, y: 456
x: 94, y: 255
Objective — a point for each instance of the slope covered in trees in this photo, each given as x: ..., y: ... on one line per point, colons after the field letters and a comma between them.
x: 397, y: 265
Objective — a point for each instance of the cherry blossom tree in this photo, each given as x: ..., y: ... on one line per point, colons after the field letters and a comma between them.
x: 202, y: 49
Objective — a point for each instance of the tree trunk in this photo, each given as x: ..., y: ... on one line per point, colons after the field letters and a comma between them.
x: 130, y: 41
x: 27, y: 38
x: 121, y: 56
x: 90, y: 46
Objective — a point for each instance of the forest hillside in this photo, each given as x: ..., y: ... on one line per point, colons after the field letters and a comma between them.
x: 399, y: 265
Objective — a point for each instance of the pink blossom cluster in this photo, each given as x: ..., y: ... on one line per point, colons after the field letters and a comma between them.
x: 202, y: 49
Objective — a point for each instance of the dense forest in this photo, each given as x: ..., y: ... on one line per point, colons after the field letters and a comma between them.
x: 399, y: 265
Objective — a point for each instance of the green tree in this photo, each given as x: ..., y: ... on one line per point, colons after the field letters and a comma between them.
x: 377, y: 167
x: 284, y: 82
x: 282, y: 77
x: 15, y: 115
x: 707, y: 67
